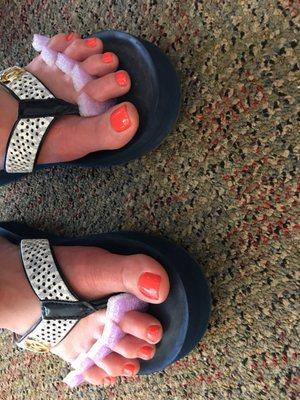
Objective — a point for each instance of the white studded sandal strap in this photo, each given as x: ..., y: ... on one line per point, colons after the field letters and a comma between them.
x: 42, y: 272
x: 27, y: 134
x: 25, y: 85
x: 49, y: 286
x: 38, y: 107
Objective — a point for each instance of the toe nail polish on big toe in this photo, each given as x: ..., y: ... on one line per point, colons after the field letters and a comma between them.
x: 119, y: 119
x: 149, y: 284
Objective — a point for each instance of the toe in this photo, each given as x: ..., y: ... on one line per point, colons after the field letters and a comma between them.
x: 146, y: 278
x: 72, y: 137
x: 109, y: 86
x: 61, y: 41
x: 132, y: 347
x: 116, y: 365
x: 97, y: 376
x: 80, y: 49
x: 138, y: 274
x: 100, y: 64
x: 143, y: 326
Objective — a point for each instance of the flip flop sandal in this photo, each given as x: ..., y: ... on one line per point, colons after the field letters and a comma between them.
x: 184, y: 314
x: 155, y: 92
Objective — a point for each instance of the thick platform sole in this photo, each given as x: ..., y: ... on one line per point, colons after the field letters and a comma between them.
x: 185, y: 313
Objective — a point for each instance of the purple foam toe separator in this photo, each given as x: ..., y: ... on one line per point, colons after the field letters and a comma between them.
x: 74, y: 379
x: 88, y: 107
x: 82, y: 363
x: 79, y: 77
x: 49, y: 56
x: 117, y: 306
x: 65, y: 63
x: 39, y: 42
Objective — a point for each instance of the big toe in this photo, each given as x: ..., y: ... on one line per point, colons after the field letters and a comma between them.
x: 104, y: 273
x: 73, y: 137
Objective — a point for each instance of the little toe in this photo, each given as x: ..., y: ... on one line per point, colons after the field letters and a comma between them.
x: 109, y: 86
x: 143, y: 326
x: 61, y: 41
x: 97, y: 376
x: 100, y: 64
x: 116, y: 365
x: 132, y: 347
x: 80, y: 49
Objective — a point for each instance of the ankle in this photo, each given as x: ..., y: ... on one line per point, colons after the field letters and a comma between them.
x: 19, y: 307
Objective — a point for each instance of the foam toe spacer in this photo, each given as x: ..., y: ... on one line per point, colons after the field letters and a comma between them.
x: 90, y: 108
x: 65, y: 63
x: 39, y: 42
x: 49, y: 56
x: 117, y: 306
x: 80, y: 78
x: 73, y: 379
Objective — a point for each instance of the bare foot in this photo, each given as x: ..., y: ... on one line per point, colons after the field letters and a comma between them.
x: 92, y: 273
x: 72, y: 137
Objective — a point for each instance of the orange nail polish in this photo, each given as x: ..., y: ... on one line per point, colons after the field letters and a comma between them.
x: 119, y: 119
x: 129, y: 370
x: 146, y: 352
x: 107, y: 58
x: 70, y: 36
x: 121, y: 78
x: 149, y: 284
x: 92, y: 42
x: 153, y: 333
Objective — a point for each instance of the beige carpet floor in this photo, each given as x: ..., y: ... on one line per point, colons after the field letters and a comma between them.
x: 223, y: 184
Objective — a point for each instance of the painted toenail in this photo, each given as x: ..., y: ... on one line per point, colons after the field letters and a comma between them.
x: 92, y: 42
x: 70, y: 36
x: 119, y: 119
x: 107, y: 58
x: 146, y: 352
x: 129, y: 370
x: 121, y: 78
x: 149, y: 285
x: 153, y: 333
x: 107, y: 381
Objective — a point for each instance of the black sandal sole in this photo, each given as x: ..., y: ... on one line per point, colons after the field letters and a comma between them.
x: 185, y: 313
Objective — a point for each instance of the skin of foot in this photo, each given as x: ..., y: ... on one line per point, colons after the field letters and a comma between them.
x: 92, y: 273
x: 72, y: 137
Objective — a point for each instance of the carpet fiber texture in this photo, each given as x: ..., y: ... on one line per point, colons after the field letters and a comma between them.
x: 223, y: 185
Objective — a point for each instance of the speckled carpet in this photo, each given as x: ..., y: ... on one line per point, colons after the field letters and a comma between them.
x: 223, y: 185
